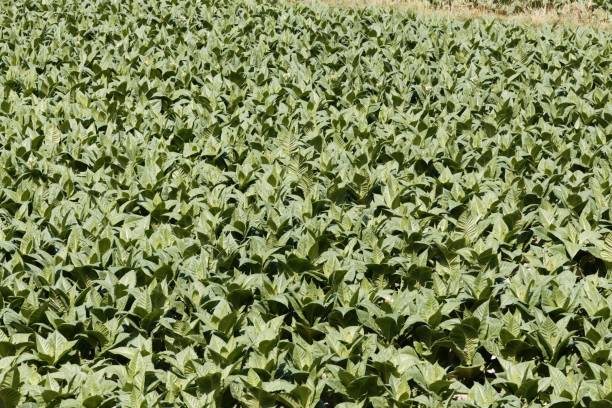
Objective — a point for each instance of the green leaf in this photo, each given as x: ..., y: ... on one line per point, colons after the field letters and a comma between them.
x: 606, y: 251
x: 9, y: 397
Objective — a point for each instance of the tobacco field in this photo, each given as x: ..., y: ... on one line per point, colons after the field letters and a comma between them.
x: 263, y: 204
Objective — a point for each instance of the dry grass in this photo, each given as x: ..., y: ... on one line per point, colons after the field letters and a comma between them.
x: 574, y: 14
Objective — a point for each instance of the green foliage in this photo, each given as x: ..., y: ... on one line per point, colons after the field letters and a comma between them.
x: 253, y: 204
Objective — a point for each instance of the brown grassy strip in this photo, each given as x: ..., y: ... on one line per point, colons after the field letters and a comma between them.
x: 573, y: 14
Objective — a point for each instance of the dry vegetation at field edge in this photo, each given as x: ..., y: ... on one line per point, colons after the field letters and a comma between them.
x: 576, y: 13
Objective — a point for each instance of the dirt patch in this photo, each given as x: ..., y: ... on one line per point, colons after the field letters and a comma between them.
x: 575, y: 13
